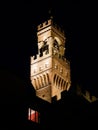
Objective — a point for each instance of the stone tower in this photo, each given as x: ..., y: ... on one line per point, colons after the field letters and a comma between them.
x: 50, y: 71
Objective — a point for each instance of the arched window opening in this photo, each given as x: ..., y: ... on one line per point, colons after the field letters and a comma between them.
x: 41, y: 79
x: 38, y: 82
x: 44, y: 48
x: 35, y: 84
x: 44, y: 80
x: 48, y: 80
x: 41, y: 52
x: 59, y: 86
x: 55, y: 44
x: 57, y: 80
x: 54, y: 79
x: 62, y: 84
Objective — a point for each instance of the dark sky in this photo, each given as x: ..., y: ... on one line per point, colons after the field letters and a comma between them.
x: 18, y: 22
x: 79, y: 21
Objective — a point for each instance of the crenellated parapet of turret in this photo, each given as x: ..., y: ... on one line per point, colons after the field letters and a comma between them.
x: 52, y: 24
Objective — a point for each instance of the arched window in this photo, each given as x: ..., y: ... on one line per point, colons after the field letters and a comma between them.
x: 57, y: 80
x: 48, y: 80
x: 35, y: 84
x: 41, y: 52
x: 55, y: 44
x: 44, y: 80
x: 38, y: 82
x: 44, y: 48
x: 41, y: 79
x: 54, y: 79
x: 62, y: 84
x: 59, y: 86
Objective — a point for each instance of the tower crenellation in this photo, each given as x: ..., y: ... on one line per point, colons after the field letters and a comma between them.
x: 52, y: 24
x: 50, y: 70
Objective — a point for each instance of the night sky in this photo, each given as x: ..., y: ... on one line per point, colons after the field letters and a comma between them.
x: 18, y: 41
x: 79, y: 21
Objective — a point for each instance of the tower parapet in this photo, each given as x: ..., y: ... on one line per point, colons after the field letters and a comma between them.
x: 52, y: 24
x: 50, y: 70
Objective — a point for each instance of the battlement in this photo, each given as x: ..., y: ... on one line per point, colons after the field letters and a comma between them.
x: 89, y: 97
x: 86, y: 94
x: 52, y: 24
x: 37, y: 57
x: 45, y: 24
x: 62, y: 60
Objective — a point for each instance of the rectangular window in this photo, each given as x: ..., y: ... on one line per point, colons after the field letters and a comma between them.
x: 33, y: 115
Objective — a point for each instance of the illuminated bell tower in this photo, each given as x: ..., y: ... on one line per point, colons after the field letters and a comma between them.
x: 50, y: 71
